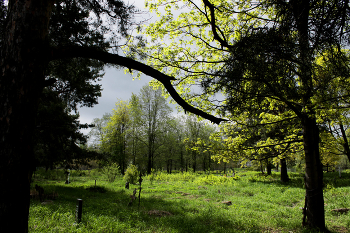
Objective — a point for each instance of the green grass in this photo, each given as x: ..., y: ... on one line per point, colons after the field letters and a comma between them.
x: 185, y: 203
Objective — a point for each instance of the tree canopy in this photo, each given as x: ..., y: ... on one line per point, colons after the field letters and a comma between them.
x: 261, y: 56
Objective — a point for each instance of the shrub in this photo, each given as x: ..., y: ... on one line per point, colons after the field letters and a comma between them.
x: 131, y: 174
x: 216, y: 180
x: 111, y: 171
x: 152, y: 175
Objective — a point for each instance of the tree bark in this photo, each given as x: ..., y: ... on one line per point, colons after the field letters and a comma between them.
x: 284, y: 174
x: 315, y: 217
x: 194, y: 161
x: 268, y: 167
x: 314, y: 209
x: 23, y: 63
x: 346, y: 142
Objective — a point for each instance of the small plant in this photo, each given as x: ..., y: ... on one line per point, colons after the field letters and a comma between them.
x: 131, y: 174
x: 152, y: 175
x: 111, y: 171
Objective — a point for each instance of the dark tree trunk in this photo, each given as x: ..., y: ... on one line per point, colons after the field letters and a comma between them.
x: 315, y: 217
x: 209, y: 162
x: 314, y: 212
x: 284, y: 174
x: 268, y: 167
x: 204, y: 165
x: 150, y: 157
x: 261, y: 167
x: 23, y: 63
x: 170, y: 165
x: 194, y: 161
x: 346, y: 142
x: 181, y: 160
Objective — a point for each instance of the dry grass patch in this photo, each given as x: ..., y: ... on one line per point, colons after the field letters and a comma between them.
x: 159, y: 213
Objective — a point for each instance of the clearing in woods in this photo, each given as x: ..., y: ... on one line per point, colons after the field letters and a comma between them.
x: 183, y: 202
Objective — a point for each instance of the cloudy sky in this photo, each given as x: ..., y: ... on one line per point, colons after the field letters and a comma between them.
x: 116, y: 85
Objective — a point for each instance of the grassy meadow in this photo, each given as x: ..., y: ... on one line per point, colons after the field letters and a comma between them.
x: 183, y: 202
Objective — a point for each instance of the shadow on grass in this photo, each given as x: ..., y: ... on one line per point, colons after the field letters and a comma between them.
x: 297, y: 179
x: 153, y: 214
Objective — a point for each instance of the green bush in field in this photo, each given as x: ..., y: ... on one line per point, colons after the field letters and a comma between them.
x: 131, y: 174
x: 152, y: 175
x: 185, y: 176
x: 215, y: 180
x: 111, y: 171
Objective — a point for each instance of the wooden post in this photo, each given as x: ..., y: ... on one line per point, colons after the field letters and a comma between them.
x: 79, y: 210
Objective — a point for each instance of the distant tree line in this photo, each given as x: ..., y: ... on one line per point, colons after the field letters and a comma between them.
x: 142, y: 131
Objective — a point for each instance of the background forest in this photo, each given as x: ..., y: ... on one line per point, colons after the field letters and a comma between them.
x: 144, y: 131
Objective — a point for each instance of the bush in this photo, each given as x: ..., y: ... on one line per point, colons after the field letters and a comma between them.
x: 131, y: 174
x: 152, y: 175
x: 216, y: 180
x: 111, y: 171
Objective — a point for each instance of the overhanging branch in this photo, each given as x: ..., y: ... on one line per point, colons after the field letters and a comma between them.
x: 92, y: 53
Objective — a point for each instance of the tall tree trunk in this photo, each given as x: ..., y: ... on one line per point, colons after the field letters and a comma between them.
x: 209, y: 162
x: 149, y: 162
x: 194, y: 161
x: 23, y: 62
x: 181, y: 160
x: 346, y: 142
x: 268, y: 167
x: 314, y: 212
x: 315, y: 216
x: 204, y: 165
x: 284, y: 174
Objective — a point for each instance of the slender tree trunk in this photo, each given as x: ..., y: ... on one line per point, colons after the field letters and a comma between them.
x: 315, y: 217
x: 149, y: 162
x: 181, y: 160
x: 284, y: 174
x: 23, y: 62
x: 268, y: 167
x: 204, y: 166
x: 194, y: 161
x: 346, y: 142
x: 209, y: 162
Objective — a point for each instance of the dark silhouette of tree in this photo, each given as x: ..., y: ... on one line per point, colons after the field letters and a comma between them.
x: 26, y: 54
